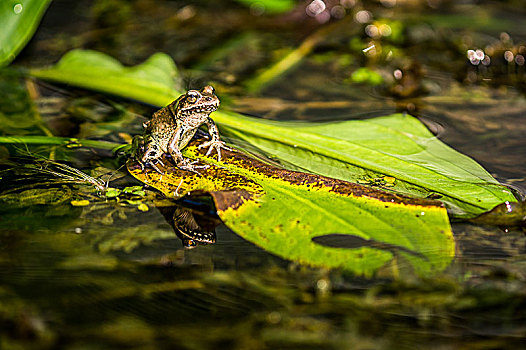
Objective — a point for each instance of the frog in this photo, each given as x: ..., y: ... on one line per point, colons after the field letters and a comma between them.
x: 171, y: 128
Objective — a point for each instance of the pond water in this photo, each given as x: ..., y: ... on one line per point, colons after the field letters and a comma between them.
x: 109, y: 275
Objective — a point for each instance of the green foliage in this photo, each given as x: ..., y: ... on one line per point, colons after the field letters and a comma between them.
x: 392, y: 30
x: 397, y: 31
x: 130, y: 191
x: 270, y: 6
x: 150, y: 82
x: 367, y: 76
x: 19, y: 20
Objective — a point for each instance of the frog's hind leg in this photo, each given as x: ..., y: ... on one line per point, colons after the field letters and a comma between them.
x: 190, y: 166
x: 152, y: 164
x: 151, y: 157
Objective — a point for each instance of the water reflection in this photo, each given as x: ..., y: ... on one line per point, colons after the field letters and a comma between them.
x: 194, y: 227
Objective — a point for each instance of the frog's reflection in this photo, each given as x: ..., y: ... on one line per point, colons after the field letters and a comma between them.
x: 194, y: 225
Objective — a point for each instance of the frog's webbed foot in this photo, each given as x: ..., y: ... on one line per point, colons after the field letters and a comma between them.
x: 189, y: 165
x: 214, y: 144
x: 153, y: 165
x: 150, y: 164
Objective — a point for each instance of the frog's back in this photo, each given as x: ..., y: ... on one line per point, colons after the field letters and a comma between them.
x: 162, y: 127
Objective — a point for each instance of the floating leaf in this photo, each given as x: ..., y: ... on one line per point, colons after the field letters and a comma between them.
x: 288, y: 212
x: 134, y: 190
x: 143, y: 207
x: 112, y: 192
x: 80, y: 203
x: 19, y: 20
x: 397, y: 146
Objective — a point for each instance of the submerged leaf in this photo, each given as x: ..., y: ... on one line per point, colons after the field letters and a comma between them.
x: 19, y: 21
x: 396, y: 146
x: 17, y: 113
x: 285, y: 211
x: 36, y: 196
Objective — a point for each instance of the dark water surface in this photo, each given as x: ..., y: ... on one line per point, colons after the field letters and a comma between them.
x: 110, y: 276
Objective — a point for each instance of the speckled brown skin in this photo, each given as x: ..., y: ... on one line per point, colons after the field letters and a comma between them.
x: 172, y: 127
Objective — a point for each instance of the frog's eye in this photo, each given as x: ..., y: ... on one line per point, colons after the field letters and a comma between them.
x: 191, y: 97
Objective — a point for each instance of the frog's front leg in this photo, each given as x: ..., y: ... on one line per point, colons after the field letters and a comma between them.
x: 215, y: 142
x: 173, y: 146
x: 178, y: 141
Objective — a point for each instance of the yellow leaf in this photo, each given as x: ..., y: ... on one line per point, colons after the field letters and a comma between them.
x: 81, y: 203
x: 143, y: 207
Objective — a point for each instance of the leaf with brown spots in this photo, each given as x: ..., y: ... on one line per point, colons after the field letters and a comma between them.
x: 291, y: 214
x: 397, y: 147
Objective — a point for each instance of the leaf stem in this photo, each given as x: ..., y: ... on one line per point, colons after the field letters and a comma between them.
x: 289, y: 61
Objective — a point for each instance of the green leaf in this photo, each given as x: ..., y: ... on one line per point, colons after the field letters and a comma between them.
x: 314, y: 219
x: 366, y: 75
x: 60, y: 141
x: 112, y: 192
x: 270, y: 6
x: 19, y: 20
x: 398, y: 146
x: 358, y: 150
x: 152, y: 81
